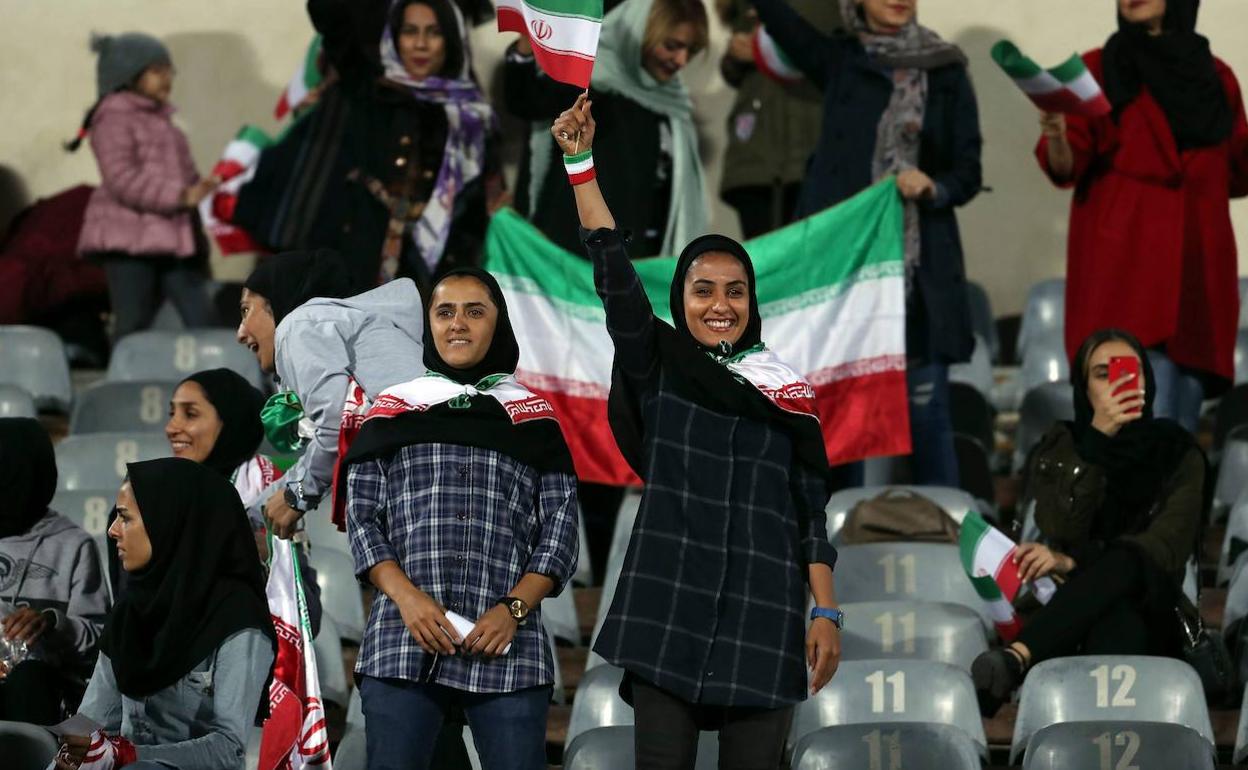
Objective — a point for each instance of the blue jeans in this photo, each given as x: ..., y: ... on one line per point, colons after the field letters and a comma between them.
x: 933, y: 460
x: 1179, y: 393
x: 402, y: 720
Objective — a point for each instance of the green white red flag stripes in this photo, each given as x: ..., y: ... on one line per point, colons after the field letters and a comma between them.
x: 1068, y: 87
x: 295, y: 735
x: 564, y: 34
x: 771, y: 59
x: 831, y: 292
x: 304, y: 79
x: 988, y: 558
x: 236, y: 167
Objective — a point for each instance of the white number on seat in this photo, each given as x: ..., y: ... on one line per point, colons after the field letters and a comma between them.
x: 95, y: 512
x: 184, y: 353
x: 1128, y: 739
x: 891, y: 563
x: 878, y: 743
x: 1124, y: 675
x: 897, y: 681
x: 888, y: 636
x: 127, y: 452
x: 151, y: 405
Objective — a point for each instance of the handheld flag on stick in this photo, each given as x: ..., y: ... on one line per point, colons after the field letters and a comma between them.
x: 771, y: 60
x: 306, y: 78
x: 236, y: 167
x: 1068, y: 87
x: 988, y: 558
x: 564, y: 34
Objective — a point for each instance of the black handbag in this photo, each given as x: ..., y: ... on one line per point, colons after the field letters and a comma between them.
x: 1207, y: 653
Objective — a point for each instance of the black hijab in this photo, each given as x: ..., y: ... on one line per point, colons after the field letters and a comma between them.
x: 483, y: 423
x: 27, y: 474
x: 203, y: 584
x: 290, y: 279
x: 1178, y: 69
x: 1141, y: 459
x: 238, y: 404
x: 697, y: 374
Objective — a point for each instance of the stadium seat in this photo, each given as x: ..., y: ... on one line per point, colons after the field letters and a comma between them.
x: 321, y: 530
x: 584, y: 574
x: 1045, y: 361
x: 169, y: 355
x: 1241, y: 735
x: 135, y: 407
x: 89, y: 509
x: 1232, y: 472
x: 97, y: 461
x: 1042, y: 406
x: 1232, y: 412
x: 609, y: 583
x: 611, y: 748
x: 978, y: 371
x: 329, y: 667
x: 340, y: 591
x: 982, y: 320
x: 916, y: 572
x: 912, y: 630
x: 25, y: 746
x: 1236, y: 607
x: 1234, y: 542
x: 1092, y: 688
x: 34, y: 360
x: 1114, y: 744
x: 597, y: 702
x: 355, y: 710
x: 559, y: 616
x: 956, y: 502
x: 352, y: 753
x: 557, y: 694
x: 972, y: 414
x: 909, y: 745
x: 16, y: 402
x: 1044, y: 314
x: 888, y: 691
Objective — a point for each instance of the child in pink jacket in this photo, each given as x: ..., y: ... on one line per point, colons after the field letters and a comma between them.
x: 141, y: 222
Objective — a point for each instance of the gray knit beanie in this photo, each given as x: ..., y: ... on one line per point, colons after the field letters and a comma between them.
x: 122, y: 58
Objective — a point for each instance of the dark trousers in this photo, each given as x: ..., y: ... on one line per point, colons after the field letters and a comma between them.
x: 32, y: 693
x: 933, y: 460
x: 763, y: 208
x: 666, y: 732
x: 1102, y: 610
x: 403, y: 719
x: 138, y: 284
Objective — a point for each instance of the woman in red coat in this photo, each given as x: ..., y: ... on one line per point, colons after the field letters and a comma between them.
x: 1151, y: 247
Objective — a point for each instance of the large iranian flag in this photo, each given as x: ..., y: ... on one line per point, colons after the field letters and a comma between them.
x: 831, y: 292
x: 564, y: 34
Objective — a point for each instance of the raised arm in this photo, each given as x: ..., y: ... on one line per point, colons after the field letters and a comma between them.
x: 630, y: 318
x: 807, y: 47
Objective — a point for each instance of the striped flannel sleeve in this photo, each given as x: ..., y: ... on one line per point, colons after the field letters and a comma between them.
x: 366, y: 508
x: 810, y: 498
x: 558, y: 545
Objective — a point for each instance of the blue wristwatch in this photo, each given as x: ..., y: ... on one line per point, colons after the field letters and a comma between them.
x: 836, y: 616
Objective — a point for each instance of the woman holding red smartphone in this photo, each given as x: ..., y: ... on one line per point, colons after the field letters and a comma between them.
x: 1151, y: 248
x: 1118, y: 497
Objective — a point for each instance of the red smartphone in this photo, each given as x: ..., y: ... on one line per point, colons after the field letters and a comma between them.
x: 1121, y: 366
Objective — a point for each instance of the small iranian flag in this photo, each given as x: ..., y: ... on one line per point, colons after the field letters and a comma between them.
x: 564, y: 34
x: 988, y: 558
x: 236, y: 167
x: 771, y: 60
x: 307, y: 77
x: 295, y: 735
x: 831, y: 292
x: 1068, y: 87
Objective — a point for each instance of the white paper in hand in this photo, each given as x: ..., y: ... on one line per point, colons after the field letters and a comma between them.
x: 463, y: 625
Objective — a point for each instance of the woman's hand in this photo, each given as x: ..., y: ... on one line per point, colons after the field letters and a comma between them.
x: 1053, y: 124
x: 492, y: 633
x: 73, y: 751
x: 1110, y: 412
x: 426, y: 622
x: 823, y: 652
x: 914, y: 185
x: 25, y: 625
x: 1061, y: 156
x: 1036, y: 560
x: 574, y: 128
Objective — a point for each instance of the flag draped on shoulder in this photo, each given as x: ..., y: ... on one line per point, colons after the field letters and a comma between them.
x: 564, y: 34
x: 1068, y: 87
x: 988, y: 558
x: 831, y: 291
x: 295, y: 735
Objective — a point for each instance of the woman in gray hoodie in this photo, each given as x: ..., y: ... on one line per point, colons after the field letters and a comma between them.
x: 51, y: 584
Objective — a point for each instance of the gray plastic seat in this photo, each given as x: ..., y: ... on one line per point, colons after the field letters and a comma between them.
x: 34, y: 360
x: 1232, y: 471
x: 611, y: 748
x: 88, y: 508
x: 98, y: 460
x: 559, y: 616
x: 584, y: 573
x: 1044, y: 314
x: 1234, y: 542
x: 16, y: 402
x: 141, y: 406
x: 321, y: 530
x: 914, y: 630
x: 982, y: 319
x: 1044, y: 361
x: 1042, y: 406
x: 340, y: 591
x: 888, y: 691
x: 978, y: 371
x: 172, y: 355
x: 1241, y: 736
x: 1236, y: 608
x: 597, y: 703
x: 352, y: 753
x: 917, y: 572
x: 1112, y: 744
x: 956, y: 502
x: 329, y: 667
x: 1093, y: 688
x: 25, y: 746
x: 915, y: 745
